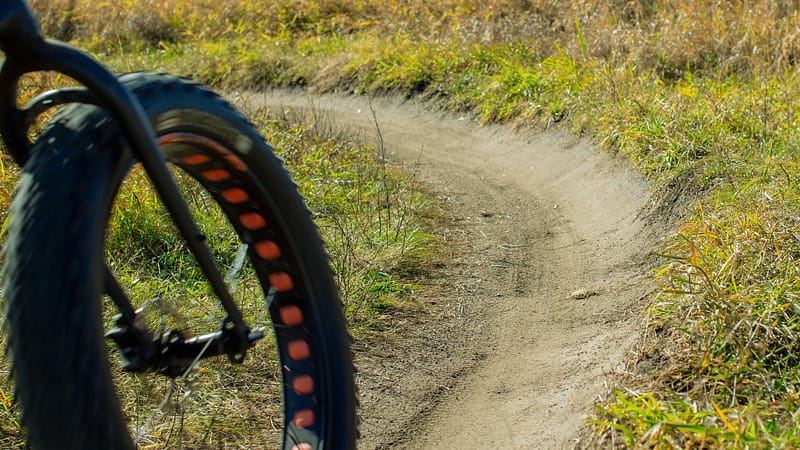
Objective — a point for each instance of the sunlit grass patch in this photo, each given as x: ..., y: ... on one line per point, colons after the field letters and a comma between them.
x: 726, y: 326
x: 641, y: 420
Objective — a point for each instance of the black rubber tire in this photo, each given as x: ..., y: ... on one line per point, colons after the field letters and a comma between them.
x: 54, y: 261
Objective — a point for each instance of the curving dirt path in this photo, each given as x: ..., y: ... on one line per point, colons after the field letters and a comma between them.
x: 540, y: 301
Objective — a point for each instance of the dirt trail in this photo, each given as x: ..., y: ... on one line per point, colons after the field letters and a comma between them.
x: 541, y: 302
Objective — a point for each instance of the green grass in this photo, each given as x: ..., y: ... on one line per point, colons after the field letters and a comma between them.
x: 372, y: 216
x: 701, y: 96
x: 727, y: 323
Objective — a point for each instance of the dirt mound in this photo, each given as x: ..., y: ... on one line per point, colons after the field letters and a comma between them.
x: 542, y: 299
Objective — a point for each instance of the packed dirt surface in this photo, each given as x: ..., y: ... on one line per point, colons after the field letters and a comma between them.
x: 541, y: 301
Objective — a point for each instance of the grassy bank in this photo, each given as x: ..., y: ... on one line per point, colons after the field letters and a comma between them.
x: 700, y: 95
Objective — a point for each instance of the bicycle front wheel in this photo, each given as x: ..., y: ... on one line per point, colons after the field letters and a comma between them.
x: 83, y: 203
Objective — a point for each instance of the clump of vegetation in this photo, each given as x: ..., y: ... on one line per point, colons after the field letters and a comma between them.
x: 722, y: 359
x: 699, y: 94
x: 371, y: 214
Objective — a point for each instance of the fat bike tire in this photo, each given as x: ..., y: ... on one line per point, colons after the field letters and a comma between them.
x: 54, y: 264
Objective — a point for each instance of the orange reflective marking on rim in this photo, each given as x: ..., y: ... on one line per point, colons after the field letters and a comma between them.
x: 304, y: 418
x: 196, y: 159
x: 291, y: 315
x: 281, y: 281
x: 216, y: 175
x: 298, y: 350
x: 268, y: 250
x: 196, y: 139
x: 235, y: 195
x: 303, y: 384
x: 171, y: 138
x: 235, y: 162
x: 252, y: 221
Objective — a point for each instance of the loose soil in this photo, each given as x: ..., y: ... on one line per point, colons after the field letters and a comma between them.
x: 538, y: 300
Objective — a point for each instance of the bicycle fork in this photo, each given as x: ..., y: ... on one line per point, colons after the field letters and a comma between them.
x: 26, y: 51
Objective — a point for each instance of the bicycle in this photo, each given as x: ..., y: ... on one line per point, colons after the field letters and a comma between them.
x: 207, y: 164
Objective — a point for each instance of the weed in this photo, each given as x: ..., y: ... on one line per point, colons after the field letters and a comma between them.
x: 10, y: 428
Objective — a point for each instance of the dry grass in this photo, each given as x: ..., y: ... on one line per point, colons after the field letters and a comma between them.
x: 668, y: 38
